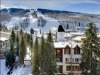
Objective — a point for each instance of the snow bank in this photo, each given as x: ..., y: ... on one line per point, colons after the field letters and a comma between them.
x: 3, y: 69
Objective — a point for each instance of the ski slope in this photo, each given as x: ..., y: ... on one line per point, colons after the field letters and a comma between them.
x: 33, y: 22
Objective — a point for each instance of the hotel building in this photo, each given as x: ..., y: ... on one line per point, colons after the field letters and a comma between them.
x: 68, y: 55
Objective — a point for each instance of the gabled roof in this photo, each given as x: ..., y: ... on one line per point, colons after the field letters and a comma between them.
x: 61, y: 29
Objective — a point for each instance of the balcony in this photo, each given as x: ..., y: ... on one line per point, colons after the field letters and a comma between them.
x: 72, y: 62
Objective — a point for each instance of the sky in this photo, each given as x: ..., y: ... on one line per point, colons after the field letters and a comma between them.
x: 84, y: 6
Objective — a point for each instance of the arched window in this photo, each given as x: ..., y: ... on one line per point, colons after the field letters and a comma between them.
x: 77, y: 50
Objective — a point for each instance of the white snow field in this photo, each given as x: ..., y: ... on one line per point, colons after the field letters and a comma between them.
x: 33, y: 22
x: 18, y: 71
x: 3, y: 69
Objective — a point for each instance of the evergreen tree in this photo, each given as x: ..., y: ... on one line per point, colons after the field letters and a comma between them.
x: 47, y: 56
x: 13, y: 36
x: 0, y: 27
x: 43, y: 57
x: 28, y: 37
x: 35, y: 58
x: 12, y: 41
x: 21, y: 32
x: 67, y: 26
x: 52, y: 55
x: 90, y: 50
x: 17, y: 45
x: 10, y: 59
x: 10, y: 56
x: 31, y: 42
x: 22, y: 50
x: 31, y: 31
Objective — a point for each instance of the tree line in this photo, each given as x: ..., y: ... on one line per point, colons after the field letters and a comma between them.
x: 43, y: 57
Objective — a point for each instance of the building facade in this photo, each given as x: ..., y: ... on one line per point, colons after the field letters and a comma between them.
x: 68, y: 59
x: 68, y: 54
x: 4, y: 42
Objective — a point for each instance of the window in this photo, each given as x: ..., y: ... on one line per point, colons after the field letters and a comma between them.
x: 71, y: 59
x: 76, y: 68
x: 77, y: 50
x: 59, y: 69
x: 59, y: 59
x: 73, y: 68
x: 67, y: 59
x: 68, y: 68
x: 76, y: 59
x: 2, y: 44
x: 58, y: 51
x: 67, y: 51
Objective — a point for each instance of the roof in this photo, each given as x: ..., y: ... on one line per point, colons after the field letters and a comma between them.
x: 61, y: 29
x: 79, y: 38
x: 3, y: 38
x: 66, y: 43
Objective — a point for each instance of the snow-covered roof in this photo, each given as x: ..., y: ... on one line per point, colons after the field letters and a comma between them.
x: 98, y: 35
x: 68, y: 35
x: 65, y: 43
x: 60, y: 44
x: 78, y: 38
x: 1, y: 32
x: 3, y: 38
x: 77, y: 33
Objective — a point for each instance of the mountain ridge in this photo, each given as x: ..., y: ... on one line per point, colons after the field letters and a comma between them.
x: 45, y: 19
x: 43, y: 10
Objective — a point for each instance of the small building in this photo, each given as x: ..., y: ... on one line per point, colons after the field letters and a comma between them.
x: 4, y: 44
x: 4, y: 41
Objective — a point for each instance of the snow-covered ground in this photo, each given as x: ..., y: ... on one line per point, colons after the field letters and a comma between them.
x: 22, y: 71
x: 18, y: 71
x: 3, y: 69
x: 33, y: 22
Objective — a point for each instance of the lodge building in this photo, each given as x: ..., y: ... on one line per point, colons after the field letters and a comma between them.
x: 68, y: 55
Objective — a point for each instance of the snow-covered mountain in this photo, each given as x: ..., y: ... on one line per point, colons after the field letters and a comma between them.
x: 45, y: 20
x: 30, y: 20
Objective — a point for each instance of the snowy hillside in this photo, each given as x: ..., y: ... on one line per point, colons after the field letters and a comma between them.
x: 31, y: 22
x: 46, y: 20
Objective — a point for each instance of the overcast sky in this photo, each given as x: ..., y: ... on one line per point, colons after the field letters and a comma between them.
x: 85, y: 6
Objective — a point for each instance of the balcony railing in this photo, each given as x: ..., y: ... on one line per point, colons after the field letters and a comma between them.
x: 73, y: 62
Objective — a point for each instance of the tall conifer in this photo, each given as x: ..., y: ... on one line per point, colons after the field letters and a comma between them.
x: 90, y: 50
x: 52, y: 55
x: 22, y: 50
x: 35, y: 58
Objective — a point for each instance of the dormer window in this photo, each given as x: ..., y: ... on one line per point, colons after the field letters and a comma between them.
x: 77, y: 50
x: 67, y: 50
